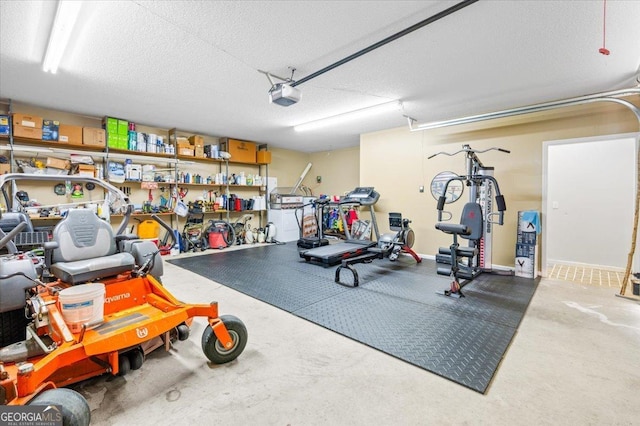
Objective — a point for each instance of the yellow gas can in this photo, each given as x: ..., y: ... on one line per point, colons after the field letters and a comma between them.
x: 148, y: 229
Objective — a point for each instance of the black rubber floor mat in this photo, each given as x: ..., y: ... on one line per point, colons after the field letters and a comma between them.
x: 395, y: 309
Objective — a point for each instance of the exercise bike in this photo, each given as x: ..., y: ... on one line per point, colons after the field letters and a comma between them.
x: 390, y: 246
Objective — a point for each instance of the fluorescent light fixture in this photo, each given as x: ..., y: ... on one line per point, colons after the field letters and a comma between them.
x: 349, y: 116
x: 63, y: 23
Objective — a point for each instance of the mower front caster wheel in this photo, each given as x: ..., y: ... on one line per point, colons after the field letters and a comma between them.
x: 136, y: 358
x: 75, y: 410
x: 213, y: 348
x: 183, y: 332
x: 124, y: 365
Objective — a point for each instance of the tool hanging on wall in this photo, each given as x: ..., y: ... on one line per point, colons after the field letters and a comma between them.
x: 182, y: 193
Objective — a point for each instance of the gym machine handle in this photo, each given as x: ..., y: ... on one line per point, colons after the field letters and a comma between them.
x: 500, y: 220
x: 502, y: 207
x: 441, y: 201
x: 468, y: 149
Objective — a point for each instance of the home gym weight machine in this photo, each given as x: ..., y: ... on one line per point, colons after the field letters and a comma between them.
x: 477, y: 219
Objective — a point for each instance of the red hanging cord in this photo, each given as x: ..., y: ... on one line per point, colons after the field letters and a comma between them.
x: 603, y: 49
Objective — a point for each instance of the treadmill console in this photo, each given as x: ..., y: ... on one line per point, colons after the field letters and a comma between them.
x: 363, y: 195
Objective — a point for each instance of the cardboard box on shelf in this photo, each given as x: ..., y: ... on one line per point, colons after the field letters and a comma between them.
x: 58, y: 163
x: 27, y: 120
x: 5, y: 168
x: 70, y: 134
x: 93, y: 136
x: 4, y: 125
x: 198, y: 151
x: 186, y: 152
x: 27, y: 132
x: 241, y: 151
x: 263, y: 157
x: 196, y: 140
x: 173, y: 134
x: 50, y: 130
x: 86, y: 170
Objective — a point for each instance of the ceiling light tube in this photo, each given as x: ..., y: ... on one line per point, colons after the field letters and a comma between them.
x: 349, y: 116
x: 63, y: 23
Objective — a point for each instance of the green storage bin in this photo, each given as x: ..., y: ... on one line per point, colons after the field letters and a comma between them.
x: 123, y: 127
x: 113, y: 140
x: 111, y: 125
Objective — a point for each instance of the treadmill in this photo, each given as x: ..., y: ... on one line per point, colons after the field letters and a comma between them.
x: 333, y: 254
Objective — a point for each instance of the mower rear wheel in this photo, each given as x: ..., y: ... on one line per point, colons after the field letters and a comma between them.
x: 75, y: 410
x: 136, y: 358
x: 215, y: 351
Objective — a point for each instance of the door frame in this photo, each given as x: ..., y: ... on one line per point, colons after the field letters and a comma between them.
x: 545, y: 183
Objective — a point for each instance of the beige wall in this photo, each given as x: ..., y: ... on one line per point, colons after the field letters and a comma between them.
x: 395, y: 163
x: 287, y: 165
x: 339, y: 170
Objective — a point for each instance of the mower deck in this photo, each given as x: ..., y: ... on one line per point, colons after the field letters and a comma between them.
x: 147, y: 323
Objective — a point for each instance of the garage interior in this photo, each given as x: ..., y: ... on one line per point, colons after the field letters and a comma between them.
x: 546, y: 94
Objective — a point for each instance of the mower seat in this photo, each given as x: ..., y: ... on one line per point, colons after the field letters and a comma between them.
x: 86, y: 249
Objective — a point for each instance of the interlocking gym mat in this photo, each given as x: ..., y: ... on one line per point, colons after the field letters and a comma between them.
x: 395, y: 309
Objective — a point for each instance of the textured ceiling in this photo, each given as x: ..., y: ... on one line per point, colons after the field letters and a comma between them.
x: 194, y: 64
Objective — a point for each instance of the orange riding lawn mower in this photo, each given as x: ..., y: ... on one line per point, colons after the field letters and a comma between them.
x: 89, y: 302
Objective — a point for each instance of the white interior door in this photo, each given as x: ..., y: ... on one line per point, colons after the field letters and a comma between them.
x: 588, y: 201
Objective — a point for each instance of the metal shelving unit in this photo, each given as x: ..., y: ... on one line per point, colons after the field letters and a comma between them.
x: 21, y: 147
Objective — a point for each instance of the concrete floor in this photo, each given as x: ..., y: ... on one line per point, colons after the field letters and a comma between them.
x: 574, y: 360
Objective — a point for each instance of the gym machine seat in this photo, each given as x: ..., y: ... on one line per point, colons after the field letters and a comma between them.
x: 469, y: 228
